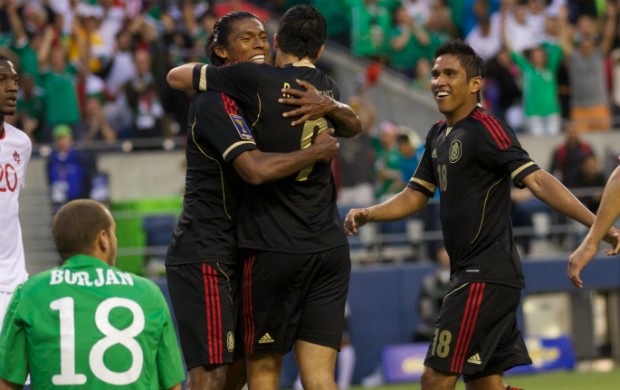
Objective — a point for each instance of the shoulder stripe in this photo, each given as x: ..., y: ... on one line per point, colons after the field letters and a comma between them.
x: 202, y: 85
x: 520, y: 169
x: 500, y: 129
x: 229, y: 105
x: 492, y: 127
x: 234, y: 146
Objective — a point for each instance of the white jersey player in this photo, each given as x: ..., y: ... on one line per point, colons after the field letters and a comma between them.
x: 15, y: 150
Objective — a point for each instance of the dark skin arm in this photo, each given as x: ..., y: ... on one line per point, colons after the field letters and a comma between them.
x: 256, y: 167
x: 313, y: 105
x: 6, y: 385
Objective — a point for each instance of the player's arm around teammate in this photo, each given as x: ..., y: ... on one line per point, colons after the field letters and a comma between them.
x: 311, y: 103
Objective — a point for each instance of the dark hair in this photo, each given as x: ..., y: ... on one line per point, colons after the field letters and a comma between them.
x: 221, y: 33
x: 302, y: 31
x: 469, y: 59
x: 76, y: 225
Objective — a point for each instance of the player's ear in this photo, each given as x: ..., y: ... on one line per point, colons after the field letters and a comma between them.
x: 475, y: 85
x: 102, y: 242
x: 276, y: 46
x: 320, y: 53
x: 221, y: 52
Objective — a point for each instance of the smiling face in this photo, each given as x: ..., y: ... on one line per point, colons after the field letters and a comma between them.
x: 456, y: 96
x: 9, y: 83
x: 247, y: 42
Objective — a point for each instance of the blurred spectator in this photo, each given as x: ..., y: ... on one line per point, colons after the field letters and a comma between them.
x: 432, y: 290
x: 586, y: 52
x: 422, y: 80
x: 592, y: 179
x: 407, y: 149
x: 143, y: 98
x: 387, y: 165
x: 439, y: 27
x: 408, y: 41
x: 419, y: 10
x: 24, y: 47
x: 117, y: 73
x: 31, y: 109
x: 58, y: 80
x: 540, y: 86
x: 567, y: 158
x: 337, y: 15
x: 95, y: 126
x: 463, y: 14
x: 486, y: 37
x: 524, y: 28
x: 68, y: 170
x: 371, y: 24
x: 502, y: 92
x: 355, y: 162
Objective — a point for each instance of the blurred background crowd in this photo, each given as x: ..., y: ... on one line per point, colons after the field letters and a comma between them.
x: 93, y: 79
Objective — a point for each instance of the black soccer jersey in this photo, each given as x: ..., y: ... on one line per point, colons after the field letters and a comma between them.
x: 207, y: 226
x: 472, y: 164
x: 297, y: 214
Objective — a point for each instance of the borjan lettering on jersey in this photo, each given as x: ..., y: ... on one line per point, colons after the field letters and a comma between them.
x: 105, y: 277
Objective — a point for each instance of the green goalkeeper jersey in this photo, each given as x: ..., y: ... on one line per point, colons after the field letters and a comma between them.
x: 88, y: 325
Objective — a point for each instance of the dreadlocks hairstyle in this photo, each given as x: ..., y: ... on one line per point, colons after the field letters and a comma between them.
x: 221, y: 32
x: 302, y: 31
x: 469, y: 59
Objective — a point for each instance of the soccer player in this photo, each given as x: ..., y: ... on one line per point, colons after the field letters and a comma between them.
x: 298, y: 248
x: 472, y: 157
x: 608, y: 212
x: 87, y: 324
x: 15, y: 150
x: 202, y: 259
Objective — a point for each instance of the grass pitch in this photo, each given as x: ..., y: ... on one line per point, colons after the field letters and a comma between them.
x: 564, y: 380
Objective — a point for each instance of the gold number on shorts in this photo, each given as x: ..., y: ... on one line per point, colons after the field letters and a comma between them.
x: 307, y: 134
x: 441, y: 343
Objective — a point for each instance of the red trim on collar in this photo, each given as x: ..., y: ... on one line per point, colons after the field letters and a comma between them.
x: 3, y: 132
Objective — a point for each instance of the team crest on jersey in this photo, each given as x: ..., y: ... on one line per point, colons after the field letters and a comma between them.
x: 230, y: 341
x: 17, y: 157
x: 242, y: 127
x: 456, y: 151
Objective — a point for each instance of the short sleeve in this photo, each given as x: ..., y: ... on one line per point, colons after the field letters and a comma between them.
x: 423, y: 178
x: 222, y: 124
x: 13, y: 347
x: 169, y: 363
x: 239, y: 81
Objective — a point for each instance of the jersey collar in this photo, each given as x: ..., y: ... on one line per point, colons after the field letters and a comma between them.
x: 83, y: 261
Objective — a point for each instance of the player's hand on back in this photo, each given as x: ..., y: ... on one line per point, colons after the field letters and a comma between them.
x: 355, y: 219
x: 312, y: 104
x: 326, y: 145
x: 613, y: 239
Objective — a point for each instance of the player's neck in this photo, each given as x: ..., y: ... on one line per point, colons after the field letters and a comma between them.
x: 459, y: 114
x: 283, y: 59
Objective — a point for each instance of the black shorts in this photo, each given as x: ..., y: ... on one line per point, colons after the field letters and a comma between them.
x: 288, y: 297
x: 204, y: 297
x: 476, y: 333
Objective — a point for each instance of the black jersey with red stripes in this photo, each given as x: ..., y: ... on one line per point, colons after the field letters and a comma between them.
x: 297, y: 214
x: 472, y: 163
x: 206, y: 230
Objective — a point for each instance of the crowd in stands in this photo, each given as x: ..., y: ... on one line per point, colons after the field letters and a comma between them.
x: 93, y: 72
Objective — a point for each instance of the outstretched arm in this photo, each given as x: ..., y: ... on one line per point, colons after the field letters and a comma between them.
x: 402, y: 205
x: 312, y: 104
x: 607, y: 214
x: 180, y: 78
x: 256, y: 167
